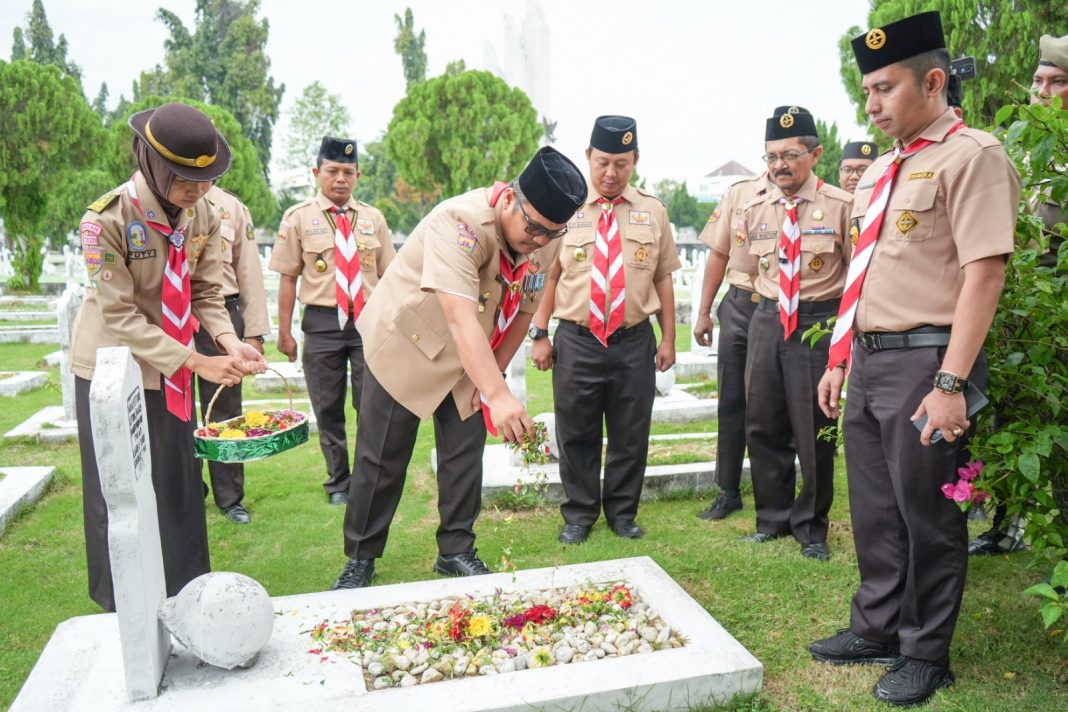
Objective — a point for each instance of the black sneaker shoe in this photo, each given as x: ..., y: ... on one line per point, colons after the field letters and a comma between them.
x: 356, y: 574
x: 848, y: 648
x: 911, y: 681
x: 574, y: 534
x: 627, y: 528
x: 237, y: 514
x: 724, y: 504
x: 465, y: 564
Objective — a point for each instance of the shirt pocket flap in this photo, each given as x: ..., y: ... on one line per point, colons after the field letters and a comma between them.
x: 367, y: 242
x: 763, y: 247
x: 639, y: 233
x: 412, y: 326
x: 318, y: 243
x: 579, y: 237
x: 921, y: 198
x: 226, y: 232
x: 818, y: 244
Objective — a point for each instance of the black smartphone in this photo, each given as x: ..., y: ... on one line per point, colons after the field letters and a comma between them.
x: 974, y: 399
x: 963, y: 67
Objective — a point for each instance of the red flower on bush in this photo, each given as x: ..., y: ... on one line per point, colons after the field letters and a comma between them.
x: 621, y: 596
x: 539, y: 614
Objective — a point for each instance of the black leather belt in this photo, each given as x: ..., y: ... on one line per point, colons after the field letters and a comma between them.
x: 920, y: 337
x: 616, y: 336
x: 232, y: 299
x: 743, y: 294
x: 325, y: 310
x: 826, y: 306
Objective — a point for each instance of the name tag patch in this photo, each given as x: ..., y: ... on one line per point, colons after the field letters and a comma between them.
x: 921, y: 175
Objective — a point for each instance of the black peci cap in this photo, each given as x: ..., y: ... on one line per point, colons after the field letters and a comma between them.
x: 794, y: 121
x: 793, y: 109
x: 338, y: 150
x: 883, y: 46
x: 553, y: 185
x: 863, y: 150
x: 614, y: 134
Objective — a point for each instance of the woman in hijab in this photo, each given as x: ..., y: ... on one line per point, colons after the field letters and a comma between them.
x: 154, y: 262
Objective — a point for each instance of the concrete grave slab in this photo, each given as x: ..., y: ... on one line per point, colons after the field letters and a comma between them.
x: 46, y: 425
x: 80, y: 667
x: 293, y: 372
x: 678, y: 406
x: 53, y: 358
x: 14, y: 382
x: 27, y: 316
x: 29, y: 335
x: 20, y: 488
x: 695, y: 364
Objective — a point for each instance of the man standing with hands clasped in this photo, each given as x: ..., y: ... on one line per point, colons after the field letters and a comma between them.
x: 937, y: 216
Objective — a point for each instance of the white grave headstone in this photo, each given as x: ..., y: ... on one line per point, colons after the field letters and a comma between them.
x: 517, y: 373
x: 67, y: 311
x: 120, y: 435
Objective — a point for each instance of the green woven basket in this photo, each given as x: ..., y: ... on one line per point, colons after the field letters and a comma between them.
x: 249, y: 449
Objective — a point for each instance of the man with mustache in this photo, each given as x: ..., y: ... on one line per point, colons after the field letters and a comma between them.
x: 797, y: 231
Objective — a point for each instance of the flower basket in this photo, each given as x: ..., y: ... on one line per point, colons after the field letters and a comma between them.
x: 252, y: 436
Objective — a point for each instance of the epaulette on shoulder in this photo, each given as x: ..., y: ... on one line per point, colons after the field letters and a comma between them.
x: 983, y: 138
x: 98, y: 205
x: 648, y: 194
x: 297, y: 206
x: 833, y: 191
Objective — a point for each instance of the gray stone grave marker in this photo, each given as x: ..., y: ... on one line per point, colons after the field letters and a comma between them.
x: 120, y: 434
x: 67, y: 310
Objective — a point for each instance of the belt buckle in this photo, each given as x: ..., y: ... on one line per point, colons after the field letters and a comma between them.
x: 871, y: 342
x: 755, y: 298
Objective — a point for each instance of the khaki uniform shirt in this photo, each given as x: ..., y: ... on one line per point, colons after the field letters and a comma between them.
x: 952, y: 203
x: 242, y: 269
x: 724, y: 231
x: 406, y: 341
x: 648, y: 254
x: 307, y: 233
x: 823, y: 216
x: 124, y: 260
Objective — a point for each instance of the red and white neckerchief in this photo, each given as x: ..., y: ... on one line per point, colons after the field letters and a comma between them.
x: 842, y: 338
x: 607, y: 278
x: 347, y: 277
x: 789, y: 268
x: 178, y: 321
x: 511, y: 279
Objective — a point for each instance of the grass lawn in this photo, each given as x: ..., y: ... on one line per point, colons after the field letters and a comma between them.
x: 772, y: 600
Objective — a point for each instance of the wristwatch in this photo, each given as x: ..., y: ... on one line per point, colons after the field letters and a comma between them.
x: 949, y: 382
x: 536, y: 333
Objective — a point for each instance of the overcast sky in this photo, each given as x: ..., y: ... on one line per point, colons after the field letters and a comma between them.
x: 699, y: 77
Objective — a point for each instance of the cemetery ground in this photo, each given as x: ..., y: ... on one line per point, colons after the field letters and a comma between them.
x: 767, y: 596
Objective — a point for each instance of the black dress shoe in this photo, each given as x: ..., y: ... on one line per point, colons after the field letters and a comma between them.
x: 724, y: 504
x: 464, y: 564
x: 817, y: 551
x: 911, y: 681
x: 574, y: 534
x: 761, y: 538
x: 338, y: 498
x: 356, y: 574
x: 627, y: 528
x: 847, y: 648
x: 237, y: 514
x: 993, y: 541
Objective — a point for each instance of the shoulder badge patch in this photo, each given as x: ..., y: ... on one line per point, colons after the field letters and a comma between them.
x: 136, y: 237
x: 466, y: 237
x: 104, y: 200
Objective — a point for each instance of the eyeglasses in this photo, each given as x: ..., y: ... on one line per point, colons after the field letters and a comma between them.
x: 790, y: 156
x: 846, y: 171
x: 535, y: 229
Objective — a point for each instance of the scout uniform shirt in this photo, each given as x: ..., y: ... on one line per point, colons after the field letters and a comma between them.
x: 406, y: 341
x: 953, y: 202
x: 724, y: 232
x: 823, y: 216
x: 124, y: 261
x: 305, y: 247
x: 648, y: 254
x: 242, y: 270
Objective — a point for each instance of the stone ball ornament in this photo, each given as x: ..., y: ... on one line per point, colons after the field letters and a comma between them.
x: 223, y: 618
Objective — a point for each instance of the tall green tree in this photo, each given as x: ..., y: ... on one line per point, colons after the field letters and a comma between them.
x: 100, y: 103
x: 453, y: 133
x: 1001, y: 35
x: 315, y: 114
x: 245, y: 178
x: 37, y: 44
x: 411, y: 47
x: 223, y: 62
x: 827, y: 167
x: 380, y: 186
x: 49, y: 132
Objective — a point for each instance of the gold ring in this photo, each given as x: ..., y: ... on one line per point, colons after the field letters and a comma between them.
x: 957, y: 432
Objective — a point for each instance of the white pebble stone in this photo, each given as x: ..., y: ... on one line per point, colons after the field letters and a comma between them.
x: 589, y: 657
x: 381, y: 683
x: 431, y: 675
x: 408, y: 681
x: 375, y: 669
x: 590, y: 628
x: 520, y: 662
x: 402, y: 662
x: 422, y: 657
x: 506, y: 666
x: 564, y: 654
x: 645, y: 648
x: 583, y: 647
x: 663, y: 635
x: 419, y: 669
x: 648, y: 634
x: 597, y: 652
x: 487, y: 669
x: 609, y: 648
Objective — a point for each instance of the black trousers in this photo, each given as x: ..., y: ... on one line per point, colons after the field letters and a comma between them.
x: 384, y: 444
x: 912, y: 542
x: 328, y: 351
x: 594, y: 385
x: 227, y: 478
x: 734, y: 314
x: 176, y: 479
x: 783, y: 419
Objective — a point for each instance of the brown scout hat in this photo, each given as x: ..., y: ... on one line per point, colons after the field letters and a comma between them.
x: 186, y: 139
